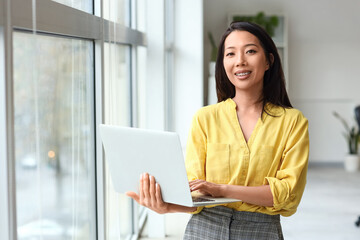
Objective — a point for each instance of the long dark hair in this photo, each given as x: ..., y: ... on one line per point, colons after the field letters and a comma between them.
x: 274, y: 90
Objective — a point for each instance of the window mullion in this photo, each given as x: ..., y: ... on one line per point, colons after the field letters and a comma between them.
x: 7, y: 164
x: 99, y: 118
x: 2, y: 14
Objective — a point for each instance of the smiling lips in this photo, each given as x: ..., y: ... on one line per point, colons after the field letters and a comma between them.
x: 242, y: 74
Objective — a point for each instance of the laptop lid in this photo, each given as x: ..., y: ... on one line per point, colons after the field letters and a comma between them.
x: 130, y: 152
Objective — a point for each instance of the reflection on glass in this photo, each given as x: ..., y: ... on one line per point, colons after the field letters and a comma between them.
x: 54, y: 140
x: 83, y: 5
x: 117, y: 11
x: 117, y: 99
x: 117, y: 84
x: 141, y: 86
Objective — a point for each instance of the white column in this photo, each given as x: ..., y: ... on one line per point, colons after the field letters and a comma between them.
x: 155, y: 89
x: 188, y: 76
x: 155, y: 84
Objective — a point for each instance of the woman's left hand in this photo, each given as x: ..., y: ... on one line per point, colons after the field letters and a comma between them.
x: 206, y: 188
x: 150, y: 195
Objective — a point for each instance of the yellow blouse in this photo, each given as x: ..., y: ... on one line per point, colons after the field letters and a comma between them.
x: 276, y: 154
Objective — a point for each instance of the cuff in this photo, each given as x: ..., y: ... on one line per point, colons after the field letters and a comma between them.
x: 199, y: 209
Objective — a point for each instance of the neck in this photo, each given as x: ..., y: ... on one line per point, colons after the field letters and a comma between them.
x: 248, y: 102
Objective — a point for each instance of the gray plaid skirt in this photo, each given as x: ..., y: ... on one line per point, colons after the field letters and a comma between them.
x: 222, y: 223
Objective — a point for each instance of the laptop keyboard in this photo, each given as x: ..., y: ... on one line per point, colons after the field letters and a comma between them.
x: 201, y: 199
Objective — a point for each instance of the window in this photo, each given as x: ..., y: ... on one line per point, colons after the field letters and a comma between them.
x: 66, y: 75
x: 117, y: 11
x: 117, y: 100
x: 54, y: 137
x: 84, y: 5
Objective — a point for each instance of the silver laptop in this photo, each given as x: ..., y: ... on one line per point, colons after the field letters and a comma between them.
x: 130, y: 152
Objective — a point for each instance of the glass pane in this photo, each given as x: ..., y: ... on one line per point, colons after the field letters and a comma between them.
x: 117, y: 94
x: 141, y: 15
x: 117, y: 97
x: 141, y: 86
x: 83, y: 5
x: 117, y: 11
x: 54, y: 137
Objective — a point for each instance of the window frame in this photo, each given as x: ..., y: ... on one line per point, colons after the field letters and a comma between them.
x: 57, y: 19
x: 8, y: 229
x: 169, y: 63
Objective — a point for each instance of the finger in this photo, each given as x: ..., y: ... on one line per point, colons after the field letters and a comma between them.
x: 194, y: 188
x: 197, y: 181
x: 199, y: 185
x: 152, y: 190
x: 141, y: 188
x: 133, y: 196
x: 146, y: 186
x: 158, y: 195
x: 194, y: 184
x: 205, y: 193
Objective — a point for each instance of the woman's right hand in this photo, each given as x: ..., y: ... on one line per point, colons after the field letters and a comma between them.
x: 150, y: 195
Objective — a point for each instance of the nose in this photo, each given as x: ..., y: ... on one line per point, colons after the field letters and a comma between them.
x: 241, y: 60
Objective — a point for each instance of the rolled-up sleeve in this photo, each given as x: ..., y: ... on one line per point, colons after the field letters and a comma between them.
x: 288, y: 185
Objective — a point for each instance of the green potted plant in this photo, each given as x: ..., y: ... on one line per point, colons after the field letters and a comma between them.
x: 352, y: 136
x: 269, y: 23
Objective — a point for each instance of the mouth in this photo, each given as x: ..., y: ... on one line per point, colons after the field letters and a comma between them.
x: 241, y: 74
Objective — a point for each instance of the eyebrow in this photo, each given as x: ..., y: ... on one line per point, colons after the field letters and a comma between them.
x: 246, y: 45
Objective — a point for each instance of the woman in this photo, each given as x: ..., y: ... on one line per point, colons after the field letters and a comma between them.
x: 252, y: 145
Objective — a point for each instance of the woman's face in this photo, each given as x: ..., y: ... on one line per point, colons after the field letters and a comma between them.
x: 244, y: 61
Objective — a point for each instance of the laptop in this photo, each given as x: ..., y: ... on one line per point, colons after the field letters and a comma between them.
x: 129, y: 152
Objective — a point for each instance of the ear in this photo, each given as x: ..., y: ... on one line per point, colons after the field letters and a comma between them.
x: 268, y: 65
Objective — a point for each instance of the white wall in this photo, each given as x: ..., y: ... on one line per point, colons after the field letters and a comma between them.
x: 324, y: 47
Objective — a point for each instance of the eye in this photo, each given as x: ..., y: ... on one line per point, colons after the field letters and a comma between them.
x: 229, y: 54
x: 251, y: 51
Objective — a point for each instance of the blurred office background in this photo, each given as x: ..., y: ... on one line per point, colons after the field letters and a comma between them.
x: 68, y: 65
